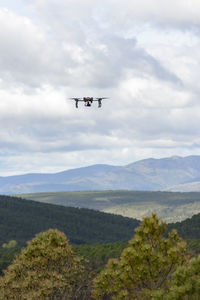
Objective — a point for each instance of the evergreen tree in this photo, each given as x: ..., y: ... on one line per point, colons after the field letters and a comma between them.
x: 186, y: 282
x: 46, y: 269
x: 145, y: 268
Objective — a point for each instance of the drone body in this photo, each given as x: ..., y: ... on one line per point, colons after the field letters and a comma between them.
x: 88, y: 101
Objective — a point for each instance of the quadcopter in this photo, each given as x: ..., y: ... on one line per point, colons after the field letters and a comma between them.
x: 88, y: 101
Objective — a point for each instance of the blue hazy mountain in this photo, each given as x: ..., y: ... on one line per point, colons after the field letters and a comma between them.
x: 172, y: 173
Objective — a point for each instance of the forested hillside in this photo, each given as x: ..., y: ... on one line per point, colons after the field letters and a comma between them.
x: 189, y: 228
x: 171, y: 207
x: 20, y: 220
x: 149, y: 266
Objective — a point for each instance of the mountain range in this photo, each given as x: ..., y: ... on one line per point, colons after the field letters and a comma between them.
x: 166, y: 174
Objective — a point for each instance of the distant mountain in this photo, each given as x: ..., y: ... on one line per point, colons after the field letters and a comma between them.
x: 185, y: 187
x: 172, y: 173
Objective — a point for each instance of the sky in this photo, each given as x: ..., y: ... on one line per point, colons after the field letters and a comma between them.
x: 143, y: 54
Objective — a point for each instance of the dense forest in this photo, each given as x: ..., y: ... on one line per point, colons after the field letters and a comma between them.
x: 189, y: 228
x: 150, y: 266
x: 172, y: 206
x: 95, y: 235
x: 20, y: 220
x: 97, y: 254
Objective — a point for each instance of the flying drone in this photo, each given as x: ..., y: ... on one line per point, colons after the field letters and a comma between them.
x: 88, y: 101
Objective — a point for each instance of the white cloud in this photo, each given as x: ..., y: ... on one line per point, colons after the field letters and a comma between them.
x: 136, y: 53
x: 121, y: 13
x: 178, y: 13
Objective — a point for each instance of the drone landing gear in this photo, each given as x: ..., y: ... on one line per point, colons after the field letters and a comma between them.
x: 99, y: 103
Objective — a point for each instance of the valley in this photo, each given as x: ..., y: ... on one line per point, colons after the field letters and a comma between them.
x: 170, y: 206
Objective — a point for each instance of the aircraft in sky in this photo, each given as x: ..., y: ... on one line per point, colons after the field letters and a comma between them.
x: 88, y: 101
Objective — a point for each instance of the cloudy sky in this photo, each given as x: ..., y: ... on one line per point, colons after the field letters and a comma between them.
x: 143, y: 54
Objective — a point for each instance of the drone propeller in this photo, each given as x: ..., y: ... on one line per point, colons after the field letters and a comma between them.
x: 74, y: 98
x: 100, y: 98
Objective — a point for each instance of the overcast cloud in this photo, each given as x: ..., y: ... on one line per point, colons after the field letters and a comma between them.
x: 144, y: 55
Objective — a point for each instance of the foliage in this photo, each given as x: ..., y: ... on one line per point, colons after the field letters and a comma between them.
x: 21, y: 219
x: 173, y: 206
x: 98, y: 254
x: 46, y: 269
x: 189, y: 228
x: 10, y: 244
x: 7, y: 252
x: 193, y: 246
x: 145, y: 267
x: 186, y: 282
x: 7, y: 256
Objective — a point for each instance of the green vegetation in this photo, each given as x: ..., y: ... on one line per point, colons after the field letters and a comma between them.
x: 170, y: 206
x: 150, y: 267
x: 145, y: 267
x: 98, y: 254
x: 193, y: 246
x: 20, y: 220
x: 186, y: 282
x: 46, y: 269
x: 189, y: 228
x: 7, y: 255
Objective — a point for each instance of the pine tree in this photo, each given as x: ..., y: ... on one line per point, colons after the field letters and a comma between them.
x: 46, y: 269
x: 186, y: 282
x: 145, y: 268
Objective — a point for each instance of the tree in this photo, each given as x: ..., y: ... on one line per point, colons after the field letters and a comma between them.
x: 10, y: 244
x: 145, y: 268
x: 186, y: 282
x: 46, y: 269
x: 7, y: 253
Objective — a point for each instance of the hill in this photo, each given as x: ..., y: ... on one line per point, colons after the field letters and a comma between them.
x: 20, y: 220
x: 189, y: 228
x: 172, y: 173
x: 171, y: 207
